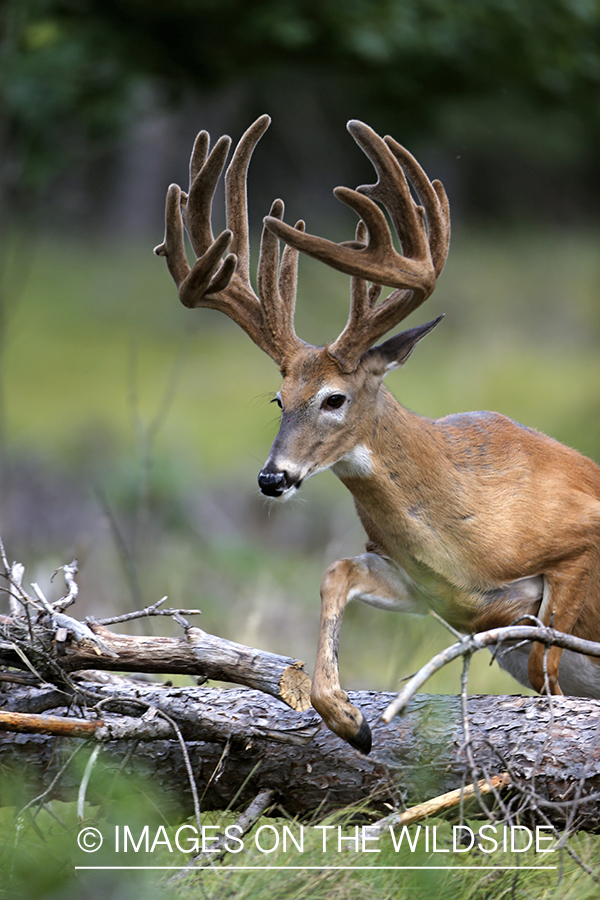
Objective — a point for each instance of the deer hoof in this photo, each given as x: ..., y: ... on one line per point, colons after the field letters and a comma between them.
x: 362, y: 740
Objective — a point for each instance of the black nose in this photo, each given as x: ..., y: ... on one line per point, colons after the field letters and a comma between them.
x: 273, y: 484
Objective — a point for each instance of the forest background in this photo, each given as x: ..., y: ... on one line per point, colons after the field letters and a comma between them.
x: 131, y: 429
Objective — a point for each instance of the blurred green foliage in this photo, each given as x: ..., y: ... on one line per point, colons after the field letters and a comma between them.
x: 418, y: 49
x: 39, y: 856
x: 62, y: 90
x: 38, y: 835
x: 72, y: 71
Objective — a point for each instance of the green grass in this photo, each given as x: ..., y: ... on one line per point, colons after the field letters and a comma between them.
x: 428, y: 866
x: 287, y: 860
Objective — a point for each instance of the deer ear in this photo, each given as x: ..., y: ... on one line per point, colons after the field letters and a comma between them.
x: 395, y: 351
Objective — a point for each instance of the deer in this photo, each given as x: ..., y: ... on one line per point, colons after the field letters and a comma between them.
x: 472, y: 516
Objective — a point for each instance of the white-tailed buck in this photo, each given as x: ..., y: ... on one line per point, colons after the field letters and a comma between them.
x: 474, y: 516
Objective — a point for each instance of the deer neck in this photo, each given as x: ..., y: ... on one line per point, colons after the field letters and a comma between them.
x: 394, y: 469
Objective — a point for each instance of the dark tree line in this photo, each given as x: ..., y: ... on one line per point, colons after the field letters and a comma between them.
x: 500, y: 80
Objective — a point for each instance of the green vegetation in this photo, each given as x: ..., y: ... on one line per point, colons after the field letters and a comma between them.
x: 133, y: 423
x: 71, y: 73
x: 333, y: 858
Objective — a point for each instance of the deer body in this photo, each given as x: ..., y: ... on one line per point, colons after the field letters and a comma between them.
x: 478, y: 518
x: 463, y: 537
x: 447, y: 506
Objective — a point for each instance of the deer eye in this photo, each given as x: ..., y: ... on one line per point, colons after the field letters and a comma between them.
x: 334, y: 401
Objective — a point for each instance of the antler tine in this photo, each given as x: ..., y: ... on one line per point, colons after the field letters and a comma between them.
x: 277, y: 286
x: 173, y: 247
x: 236, y: 194
x: 288, y: 273
x: 224, y: 284
x: 434, y: 199
x: 392, y: 191
x: 196, y: 205
x: 362, y: 298
x: 199, y: 154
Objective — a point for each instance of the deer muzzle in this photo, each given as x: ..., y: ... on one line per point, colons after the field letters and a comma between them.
x: 276, y: 483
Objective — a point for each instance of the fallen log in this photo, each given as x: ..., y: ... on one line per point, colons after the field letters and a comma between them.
x: 548, y: 747
x: 243, y: 743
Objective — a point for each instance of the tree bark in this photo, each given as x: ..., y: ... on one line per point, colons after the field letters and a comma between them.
x: 244, y: 741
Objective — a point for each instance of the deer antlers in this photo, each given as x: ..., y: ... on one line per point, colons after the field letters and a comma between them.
x: 424, y: 233
x: 224, y: 284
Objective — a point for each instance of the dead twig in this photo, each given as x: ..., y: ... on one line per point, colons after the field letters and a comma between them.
x: 188, y: 764
x: 70, y: 571
x: 441, y: 804
x: 220, y: 846
x: 85, y: 781
x: 152, y: 610
x: 30, y: 723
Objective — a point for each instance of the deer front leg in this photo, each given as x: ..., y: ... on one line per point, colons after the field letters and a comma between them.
x: 568, y: 592
x: 376, y: 581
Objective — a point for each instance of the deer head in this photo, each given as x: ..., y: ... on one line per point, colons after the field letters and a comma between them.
x: 328, y: 393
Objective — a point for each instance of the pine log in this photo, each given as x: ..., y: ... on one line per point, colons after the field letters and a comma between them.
x: 550, y: 750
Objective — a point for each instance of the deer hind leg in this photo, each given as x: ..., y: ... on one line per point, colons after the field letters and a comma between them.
x: 569, y: 591
x: 376, y: 581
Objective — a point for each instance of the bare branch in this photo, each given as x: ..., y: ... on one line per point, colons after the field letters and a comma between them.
x: 70, y: 571
x: 196, y: 653
x: 220, y: 847
x: 471, y: 643
x: 152, y: 610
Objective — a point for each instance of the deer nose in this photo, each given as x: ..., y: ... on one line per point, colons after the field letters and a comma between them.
x: 273, y: 484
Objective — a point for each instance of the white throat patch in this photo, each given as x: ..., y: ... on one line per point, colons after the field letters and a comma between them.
x: 356, y: 463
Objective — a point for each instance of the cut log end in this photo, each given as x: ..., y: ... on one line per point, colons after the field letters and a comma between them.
x: 294, y: 687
